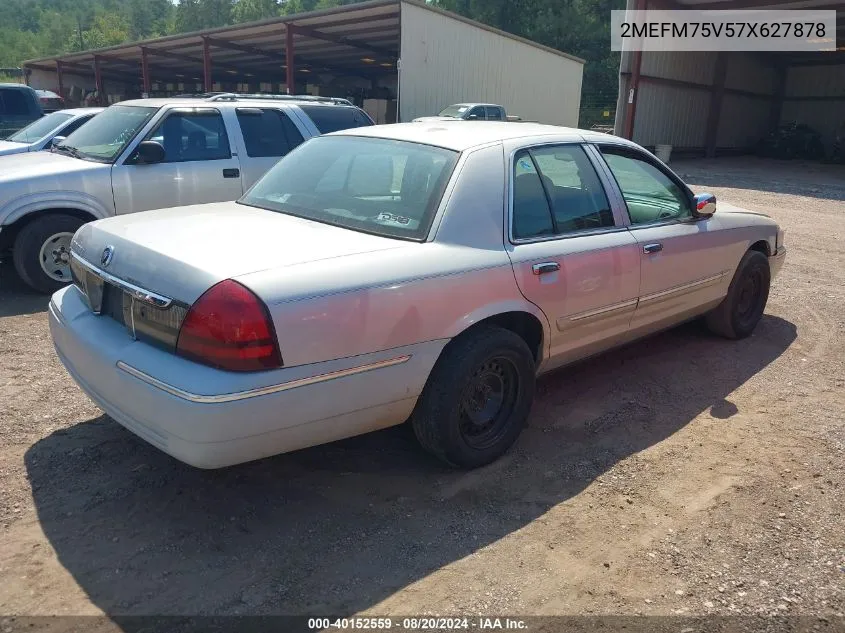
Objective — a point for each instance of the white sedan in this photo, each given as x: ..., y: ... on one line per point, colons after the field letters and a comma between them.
x: 422, y: 271
x: 39, y: 134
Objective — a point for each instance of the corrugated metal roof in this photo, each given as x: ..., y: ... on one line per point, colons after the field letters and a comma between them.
x: 358, y: 39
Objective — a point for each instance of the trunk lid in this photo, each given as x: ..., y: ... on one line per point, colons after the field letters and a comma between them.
x: 181, y: 252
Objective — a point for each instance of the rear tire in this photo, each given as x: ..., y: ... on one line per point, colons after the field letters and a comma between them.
x: 477, y: 398
x: 741, y: 310
x: 41, y: 253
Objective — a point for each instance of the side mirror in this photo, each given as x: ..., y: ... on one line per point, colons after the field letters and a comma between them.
x: 472, y: 117
x: 55, y: 141
x: 149, y: 153
x: 705, y: 205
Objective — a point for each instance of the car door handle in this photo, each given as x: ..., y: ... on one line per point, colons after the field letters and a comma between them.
x: 545, y: 267
x: 232, y: 173
x: 652, y: 248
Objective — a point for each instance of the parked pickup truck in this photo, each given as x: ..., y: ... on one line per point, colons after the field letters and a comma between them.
x: 471, y: 112
x: 147, y: 154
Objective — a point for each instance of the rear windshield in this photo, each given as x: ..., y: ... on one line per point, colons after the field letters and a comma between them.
x: 334, y: 118
x: 40, y: 128
x: 379, y: 186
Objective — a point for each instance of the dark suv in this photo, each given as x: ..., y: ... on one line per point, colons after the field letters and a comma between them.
x: 19, y: 106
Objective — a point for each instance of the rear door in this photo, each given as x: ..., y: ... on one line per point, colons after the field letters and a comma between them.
x: 571, y: 251
x: 266, y: 134
x: 685, y: 260
x: 199, y: 165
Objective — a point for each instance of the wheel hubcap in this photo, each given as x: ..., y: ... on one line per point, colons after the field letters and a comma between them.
x: 487, y: 402
x: 55, y: 257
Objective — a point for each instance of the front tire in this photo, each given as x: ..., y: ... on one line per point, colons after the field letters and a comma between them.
x: 477, y: 398
x: 741, y: 310
x: 41, y: 252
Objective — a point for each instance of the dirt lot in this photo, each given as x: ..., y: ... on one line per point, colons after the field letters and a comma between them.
x: 681, y: 475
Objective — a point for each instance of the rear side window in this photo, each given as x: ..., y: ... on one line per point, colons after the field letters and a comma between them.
x: 192, y: 136
x: 75, y: 125
x: 494, y: 113
x: 556, y: 191
x: 334, y: 118
x: 267, y: 132
x: 13, y: 103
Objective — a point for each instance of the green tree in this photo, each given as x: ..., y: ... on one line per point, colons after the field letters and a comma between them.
x: 251, y: 10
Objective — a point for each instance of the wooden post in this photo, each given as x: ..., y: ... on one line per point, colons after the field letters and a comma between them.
x: 289, y: 32
x: 206, y: 65
x: 98, y: 82
x: 145, y: 72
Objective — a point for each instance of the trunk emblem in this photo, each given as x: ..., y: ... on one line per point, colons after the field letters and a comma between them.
x: 107, y: 256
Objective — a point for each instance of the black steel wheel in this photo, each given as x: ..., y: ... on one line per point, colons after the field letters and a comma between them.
x: 743, y: 307
x: 477, y: 398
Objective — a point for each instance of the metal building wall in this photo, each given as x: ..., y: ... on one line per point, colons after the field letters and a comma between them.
x: 445, y: 60
x: 675, y: 95
x: 815, y: 96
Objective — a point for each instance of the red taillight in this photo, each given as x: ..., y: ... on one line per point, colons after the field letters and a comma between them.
x: 229, y: 327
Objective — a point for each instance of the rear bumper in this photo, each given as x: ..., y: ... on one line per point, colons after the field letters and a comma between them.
x: 210, y: 418
x: 776, y: 261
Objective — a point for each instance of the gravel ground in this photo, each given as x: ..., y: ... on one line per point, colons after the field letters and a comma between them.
x: 682, y: 475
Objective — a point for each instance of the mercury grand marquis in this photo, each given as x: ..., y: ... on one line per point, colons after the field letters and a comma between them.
x: 421, y: 271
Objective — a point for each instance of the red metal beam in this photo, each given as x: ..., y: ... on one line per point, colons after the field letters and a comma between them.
x: 243, y: 48
x: 289, y: 59
x: 345, y: 41
x: 98, y: 81
x: 145, y: 72
x: 60, y: 76
x: 633, y: 85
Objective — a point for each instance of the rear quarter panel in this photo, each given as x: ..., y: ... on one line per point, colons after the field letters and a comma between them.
x: 422, y: 292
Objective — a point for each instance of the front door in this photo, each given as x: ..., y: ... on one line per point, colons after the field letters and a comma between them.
x: 199, y: 166
x: 572, y: 255
x: 685, y: 259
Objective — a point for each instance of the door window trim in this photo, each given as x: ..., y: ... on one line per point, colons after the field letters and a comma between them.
x: 646, y: 157
x: 614, y: 206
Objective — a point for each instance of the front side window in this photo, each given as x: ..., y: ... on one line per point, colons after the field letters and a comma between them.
x: 192, y: 136
x: 40, y: 128
x: 116, y: 126
x: 649, y: 193
x: 267, y: 132
x: 380, y: 186
x: 556, y: 191
x: 476, y: 113
x: 330, y: 118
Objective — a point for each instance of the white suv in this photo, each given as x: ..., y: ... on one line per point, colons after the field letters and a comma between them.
x: 148, y: 154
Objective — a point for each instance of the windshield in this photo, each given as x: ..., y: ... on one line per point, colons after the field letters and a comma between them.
x: 380, y: 186
x: 105, y: 139
x: 40, y: 128
x: 454, y: 111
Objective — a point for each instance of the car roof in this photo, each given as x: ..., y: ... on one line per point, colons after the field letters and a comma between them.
x: 80, y: 111
x: 463, y: 135
x: 206, y: 103
x: 15, y: 86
